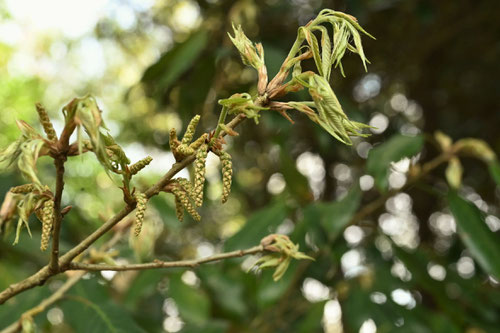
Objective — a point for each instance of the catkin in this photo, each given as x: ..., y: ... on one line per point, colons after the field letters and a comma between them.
x: 174, y: 142
x: 46, y: 123
x: 188, y: 136
x: 227, y: 174
x: 186, y: 203
x: 199, y: 142
x: 47, y: 221
x: 186, y: 185
x: 136, y: 167
x: 139, y: 213
x: 179, y: 210
x: 199, y: 174
x: 23, y: 189
x: 184, y: 150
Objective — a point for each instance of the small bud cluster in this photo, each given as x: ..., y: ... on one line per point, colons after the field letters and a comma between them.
x: 227, y: 174
x: 183, y: 192
x: 199, y: 174
x: 136, y: 167
x: 282, y: 251
x: 23, y: 189
x: 139, y: 213
x: 46, y: 123
x: 47, y: 221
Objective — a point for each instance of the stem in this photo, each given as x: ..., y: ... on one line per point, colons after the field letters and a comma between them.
x: 222, y: 120
x: 54, y: 258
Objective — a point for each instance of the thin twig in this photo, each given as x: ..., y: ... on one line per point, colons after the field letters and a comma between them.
x: 16, y: 326
x: 165, y: 264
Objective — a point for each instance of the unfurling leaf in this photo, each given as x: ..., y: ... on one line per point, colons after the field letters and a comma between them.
x: 283, y: 250
x: 251, y: 55
x: 329, y: 114
x: 85, y: 113
x: 443, y: 140
x: 476, y: 148
x: 242, y: 104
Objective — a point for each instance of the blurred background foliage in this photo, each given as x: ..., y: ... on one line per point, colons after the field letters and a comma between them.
x: 153, y: 65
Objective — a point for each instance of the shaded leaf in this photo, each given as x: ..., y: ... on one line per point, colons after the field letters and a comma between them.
x: 83, y: 315
x: 494, y: 168
x: 194, y: 305
x: 257, y: 226
x: 175, y: 62
x: 311, y: 322
x: 482, y: 243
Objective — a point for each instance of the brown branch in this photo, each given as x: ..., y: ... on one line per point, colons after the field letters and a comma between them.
x: 165, y: 264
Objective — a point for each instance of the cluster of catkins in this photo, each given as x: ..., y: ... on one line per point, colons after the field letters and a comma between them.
x: 187, y: 194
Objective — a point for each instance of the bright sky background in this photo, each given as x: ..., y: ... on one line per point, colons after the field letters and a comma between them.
x: 72, y: 18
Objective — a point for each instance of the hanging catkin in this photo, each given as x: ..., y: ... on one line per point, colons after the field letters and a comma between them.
x: 47, y: 221
x: 227, y: 174
x: 139, y: 213
x: 199, y: 174
x: 186, y: 203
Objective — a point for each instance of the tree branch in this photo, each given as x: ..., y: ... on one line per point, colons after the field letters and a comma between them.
x: 165, y: 264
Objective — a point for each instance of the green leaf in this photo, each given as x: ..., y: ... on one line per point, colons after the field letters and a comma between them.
x: 194, y: 305
x: 260, y: 224
x: 311, y: 322
x: 296, y: 182
x: 337, y: 215
x: 333, y: 217
x: 83, y: 315
x: 214, y: 326
x: 175, y: 62
x: 483, y: 244
x: 393, y: 150
x: 227, y: 290
x: 494, y: 168
x: 143, y: 286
